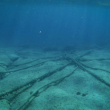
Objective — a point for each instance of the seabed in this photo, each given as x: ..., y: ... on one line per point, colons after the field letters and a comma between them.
x: 34, y: 79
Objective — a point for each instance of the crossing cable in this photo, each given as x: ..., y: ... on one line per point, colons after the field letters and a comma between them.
x: 26, y: 104
x: 32, y: 82
x: 38, y: 64
x: 84, y: 69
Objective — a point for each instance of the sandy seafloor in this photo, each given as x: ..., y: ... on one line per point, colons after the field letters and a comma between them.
x: 49, y: 80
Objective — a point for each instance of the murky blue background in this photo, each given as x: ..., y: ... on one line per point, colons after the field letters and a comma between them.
x: 54, y: 24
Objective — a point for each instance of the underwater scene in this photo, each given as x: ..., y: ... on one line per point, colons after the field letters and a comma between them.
x: 54, y: 54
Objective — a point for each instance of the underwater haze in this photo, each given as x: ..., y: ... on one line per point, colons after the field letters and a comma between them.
x: 54, y: 54
x: 55, y: 22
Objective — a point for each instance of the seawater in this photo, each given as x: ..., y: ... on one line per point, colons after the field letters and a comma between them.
x: 56, y: 23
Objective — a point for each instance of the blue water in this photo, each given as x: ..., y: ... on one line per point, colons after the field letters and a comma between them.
x: 54, y: 24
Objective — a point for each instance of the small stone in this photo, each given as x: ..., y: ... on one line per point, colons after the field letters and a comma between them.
x: 84, y: 94
x: 78, y: 93
x: 31, y: 92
